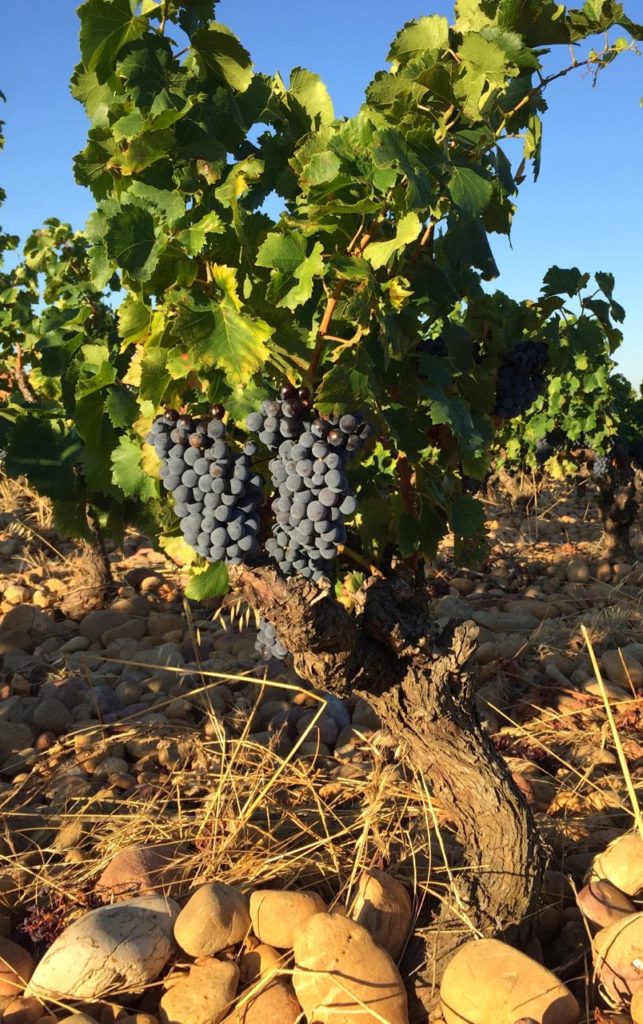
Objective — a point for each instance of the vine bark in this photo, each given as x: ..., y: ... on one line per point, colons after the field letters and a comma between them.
x: 391, y: 655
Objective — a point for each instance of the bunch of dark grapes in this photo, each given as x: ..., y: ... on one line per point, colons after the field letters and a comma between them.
x: 600, y: 467
x: 433, y: 347
x: 217, y: 495
x: 636, y: 452
x: 544, y: 451
x: 557, y: 439
x: 521, y: 378
x: 313, y: 497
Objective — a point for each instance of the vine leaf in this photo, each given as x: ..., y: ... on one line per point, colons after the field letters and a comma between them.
x: 106, y: 25
x: 470, y: 192
x: 219, y: 333
x: 428, y: 33
x: 219, y: 53
x: 379, y: 253
x: 131, y: 241
x: 128, y: 473
x: 210, y: 581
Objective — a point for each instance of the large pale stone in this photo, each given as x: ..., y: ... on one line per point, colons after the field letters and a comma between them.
x: 203, y: 996
x: 112, y: 949
x: 342, y: 977
x: 277, y: 914
x: 383, y: 905
x: 215, y: 916
x: 621, y: 863
x: 488, y: 980
x: 618, y: 955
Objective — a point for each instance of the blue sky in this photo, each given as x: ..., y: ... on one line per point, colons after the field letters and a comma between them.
x: 586, y: 209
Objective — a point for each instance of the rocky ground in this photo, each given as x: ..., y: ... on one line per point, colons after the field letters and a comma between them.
x: 190, y: 835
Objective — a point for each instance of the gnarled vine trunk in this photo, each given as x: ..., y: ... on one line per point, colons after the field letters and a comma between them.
x: 618, y: 507
x: 388, y: 654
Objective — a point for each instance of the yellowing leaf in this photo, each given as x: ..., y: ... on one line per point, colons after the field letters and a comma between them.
x: 379, y: 253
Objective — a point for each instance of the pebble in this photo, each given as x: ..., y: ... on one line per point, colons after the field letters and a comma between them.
x: 51, y: 715
x: 622, y: 669
x: 621, y: 863
x: 487, y: 980
x: 138, y: 870
x: 112, y: 949
x: 276, y: 914
x: 98, y: 622
x: 340, y: 972
x: 26, y: 1011
x: 602, y: 904
x: 383, y: 905
x: 16, y: 968
x: 276, y: 1004
x: 259, y: 962
x: 202, y: 996
x: 215, y: 917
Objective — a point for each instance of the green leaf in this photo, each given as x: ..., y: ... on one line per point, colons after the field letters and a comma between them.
x: 193, y: 238
x: 219, y: 53
x: 568, y: 282
x: 45, y: 455
x: 100, y: 438
x: 470, y: 192
x: 282, y: 252
x: 221, y: 334
x: 121, y: 407
x: 127, y: 472
x: 134, y: 319
x: 311, y: 93
x: 428, y: 33
x: 131, y: 241
x: 379, y: 253
x: 105, y: 27
x: 211, y: 581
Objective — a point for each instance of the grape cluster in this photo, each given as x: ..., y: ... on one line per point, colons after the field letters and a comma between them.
x: 636, y: 452
x: 217, y: 495
x: 312, y: 495
x: 521, y: 378
x: 433, y: 347
x: 600, y: 467
x: 544, y: 450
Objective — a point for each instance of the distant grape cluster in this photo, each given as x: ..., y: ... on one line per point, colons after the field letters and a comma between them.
x: 433, y: 347
x: 544, y: 450
x: 217, y: 495
x: 600, y: 467
x: 521, y: 378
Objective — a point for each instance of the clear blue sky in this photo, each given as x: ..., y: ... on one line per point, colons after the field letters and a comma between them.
x: 586, y: 209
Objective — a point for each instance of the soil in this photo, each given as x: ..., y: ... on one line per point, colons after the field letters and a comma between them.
x: 160, y: 723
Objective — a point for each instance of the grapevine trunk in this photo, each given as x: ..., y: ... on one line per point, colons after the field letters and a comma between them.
x: 388, y: 654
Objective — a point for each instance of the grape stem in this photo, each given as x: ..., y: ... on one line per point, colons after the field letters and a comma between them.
x: 322, y: 334
x: 20, y: 378
x: 359, y: 560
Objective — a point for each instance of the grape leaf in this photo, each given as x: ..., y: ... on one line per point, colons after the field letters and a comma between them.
x: 131, y: 241
x: 427, y: 33
x: 105, y: 26
x: 470, y: 192
x: 379, y: 253
x: 219, y: 53
x: 210, y: 581
x: 127, y: 472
